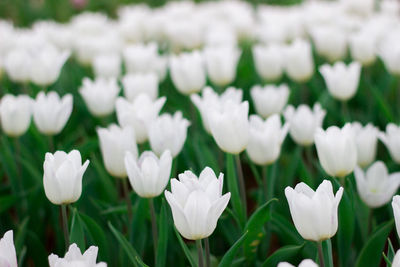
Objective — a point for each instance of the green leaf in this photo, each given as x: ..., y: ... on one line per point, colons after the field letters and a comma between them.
x: 7, y: 202
x: 76, y: 235
x: 185, y: 249
x: 162, y: 244
x: 21, y: 234
x: 228, y: 258
x: 234, y: 189
x: 283, y: 254
x: 371, y: 253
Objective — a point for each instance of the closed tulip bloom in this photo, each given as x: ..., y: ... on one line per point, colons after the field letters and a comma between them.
x: 396, y: 212
x: 8, y: 257
x: 107, y: 65
x: 363, y: 48
x: 149, y: 175
x: 366, y: 141
x: 270, y: 99
x: 74, y: 257
x: 304, y: 263
x: 389, y: 52
x: 229, y: 126
x: 314, y: 213
x: 50, y: 113
x: 138, y: 114
x: 210, y: 99
x: 299, y: 63
x: 375, y: 186
x: 266, y: 138
x: 341, y: 80
x: 269, y: 61
x: 168, y: 132
x: 18, y: 65
x: 396, y: 259
x: 136, y: 84
x: 330, y: 42
x: 221, y: 63
x: 114, y: 143
x: 100, y: 95
x: 62, y: 179
x: 391, y: 139
x: 188, y: 72
x: 15, y: 114
x: 337, y: 151
x: 303, y: 122
x: 197, y: 203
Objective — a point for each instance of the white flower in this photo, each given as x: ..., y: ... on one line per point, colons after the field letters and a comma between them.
x: 366, y: 141
x: 270, y: 99
x: 136, y: 84
x: 18, y: 65
x: 107, y: 65
x: 396, y: 259
x: 75, y: 258
x: 314, y: 213
x: 269, y: 61
x: 8, y: 257
x: 299, y: 63
x: 197, y: 203
x: 303, y: 263
x: 149, y: 175
x: 363, y: 47
x: 15, y: 114
x: 62, y: 179
x: 391, y: 139
x: 330, y: 42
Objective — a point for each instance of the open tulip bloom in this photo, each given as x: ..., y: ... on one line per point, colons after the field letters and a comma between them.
x: 75, y: 258
x: 8, y: 257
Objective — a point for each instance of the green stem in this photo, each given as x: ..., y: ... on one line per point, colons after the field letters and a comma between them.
x: 241, y: 183
x: 327, y: 252
x: 200, y: 253
x: 265, y: 181
x: 233, y: 187
x: 345, y: 112
x: 321, y: 255
x: 207, y: 248
x: 65, y: 225
x: 271, y: 183
x: 50, y: 140
x: 154, y: 227
x: 128, y: 205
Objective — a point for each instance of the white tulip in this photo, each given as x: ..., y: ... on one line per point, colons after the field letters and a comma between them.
x: 229, y: 126
x: 396, y: 212
x: 139, y: 114
x: 62, y: 179
x: 149, y: 175
x: 136, y: 84
x: 50, y: 113
x: 303, y: 263
x: 221, y: 63
x: 75, y: 258
x: 396, y: 259
x: 197, y: 203
x: 114, y: 143
x: 266, y: 138
x: 363, y: 48
x: 15, y: 114
x: 100, y: 95
x: 358, y: 7
x: 375, y: 186
x: 168, y: 132
x: 107, y: 65
x: 269, y: 61
x: 330, y: 42
x: 314, y: 213
x: 366, y: 141
x: 188, y: 72
x: 270, y: 99
x: 337, y: 151
x: 299, y: 62
x: 341, y: 80
x: 391, y: 139
x: 18, y: 65
x: 8, y: 257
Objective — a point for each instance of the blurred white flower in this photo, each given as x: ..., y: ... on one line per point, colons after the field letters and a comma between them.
x: 139, y: 114
x: 391, y: 139
x: 330, y: 42
x: 8, y: 257
x: 18, y: 64
x: 15, y: 114
x: 396, y: 259
x: 270, y: 99
x: 314, y: 213
x: 303, y: 263
x: 358, y: 7
x: 299, y: 62
x: 114, y: 143
x: 363, y: 47
x: 168, y: 132
x: 100, y: 95
x: 389, y: 52
x: 74, y: 257
x: 136, y: 84
x: 149, y: 175
x: 337, y: 151
x: 366, y: 141
x: 62, y: 179
x: 266, y: 138
x: 50, y: 113
x: 197, y: 203
x: 341, y: 80
x: 396, y: 212
x: 303, y: 122
x: 107, y: 65
x: 188, y: 72
x: 269, y: 61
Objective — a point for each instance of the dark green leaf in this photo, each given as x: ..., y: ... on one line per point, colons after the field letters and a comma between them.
x: 230, y: 255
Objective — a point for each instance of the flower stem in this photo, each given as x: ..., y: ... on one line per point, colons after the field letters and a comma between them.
x: 200, y: 253
x: 207, y: 248
x: 241, y: 183
x: 154, y: 227
x: 320, y: 255
x: 265, y: 181
x: 128, y: 204
x: 65, y: 225
x: 50, y: 140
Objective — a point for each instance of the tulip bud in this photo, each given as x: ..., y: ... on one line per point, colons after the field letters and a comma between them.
x: 100, y: 95
x: 396, y: 259
x: 187, y: 72
x: 269, y: 61
x: 266, y: 138
x: 211, y: 99
x: 149, y: 175
x: 366, y: 141
x: 391, y: 139
x: 363, y: 48
x: 114, y: 143
x: 314, y: 213
x: 303, y: 122
x: 136, y: 84
x: 18, y: 65
x: 107, y: 66
x: 336, y: 149
x: 138, y: 114
x: 330, y: 42
x: 376, y: 187
x: 8, y: 257
x: 62, y: 179
x: 396, y: 212
x: 341, y: 80
x: 197, y: 203
x: 299, y: 63
x: 15, y: 114
x: 75, y: 258
x: 168, y: 132
x: 229, y: 126
x: 50, y: 113
x: 221, y: 63
x: 270, y: 99
x: 304, y: 263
